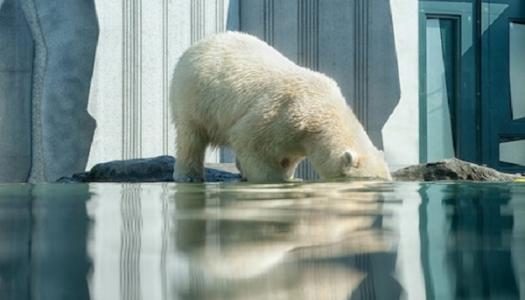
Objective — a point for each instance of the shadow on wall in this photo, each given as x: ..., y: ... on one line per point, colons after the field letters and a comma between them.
x: 16, y: 51
x: 382, y: 80
x: 46, y: 89
x: 351, y: 41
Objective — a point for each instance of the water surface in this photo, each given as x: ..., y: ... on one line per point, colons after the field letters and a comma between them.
x: 353, y: 240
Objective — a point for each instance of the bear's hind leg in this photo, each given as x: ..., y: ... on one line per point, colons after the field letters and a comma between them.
x: 191, y: 148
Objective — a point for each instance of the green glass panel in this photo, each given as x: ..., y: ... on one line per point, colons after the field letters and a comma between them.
x: 441, y: 87
x: 517, y: 69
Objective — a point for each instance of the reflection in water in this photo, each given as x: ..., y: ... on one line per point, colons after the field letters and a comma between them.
x: 43, y: 237
x: 130, y: 242
x: 358, y: 240
x: 475, y: 251
x: 275, y: 242
x: 15, y: 241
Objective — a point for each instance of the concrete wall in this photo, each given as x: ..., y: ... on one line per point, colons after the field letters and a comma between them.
x: 369, y: 47
x: 373, y: 58
x: 139, y: 45
x: 401, y: 130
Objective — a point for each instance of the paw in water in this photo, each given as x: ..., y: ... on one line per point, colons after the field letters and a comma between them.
x: 181, y: 178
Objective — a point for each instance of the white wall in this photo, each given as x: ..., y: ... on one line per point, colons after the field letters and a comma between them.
x: 401, y: 132
x: 139, y: 44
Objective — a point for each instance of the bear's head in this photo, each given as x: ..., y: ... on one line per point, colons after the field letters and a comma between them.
x: 369, y: 164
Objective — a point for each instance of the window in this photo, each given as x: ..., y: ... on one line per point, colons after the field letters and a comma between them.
x: 512, y: 151
x: 517, y: 69
x: 441, y: 87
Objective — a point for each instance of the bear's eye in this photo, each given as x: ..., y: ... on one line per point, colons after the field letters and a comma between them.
x: 356, y: 163
x: 285, y: 163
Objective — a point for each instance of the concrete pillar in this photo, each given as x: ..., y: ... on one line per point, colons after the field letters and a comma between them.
x: 65, y: 36
x: 16, y: 50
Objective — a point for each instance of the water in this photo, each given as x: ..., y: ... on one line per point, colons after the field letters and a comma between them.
x: 359, y: 240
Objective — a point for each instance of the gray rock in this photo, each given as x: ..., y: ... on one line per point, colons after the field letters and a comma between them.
x: 156, y: 169
x: 451, y: 169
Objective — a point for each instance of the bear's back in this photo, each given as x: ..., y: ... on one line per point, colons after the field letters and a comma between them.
x: 224, y: 77
x: 238, y: 50
x: 232, y: 63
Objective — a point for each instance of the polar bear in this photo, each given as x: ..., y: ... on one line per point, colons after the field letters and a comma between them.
x: 232, y: 89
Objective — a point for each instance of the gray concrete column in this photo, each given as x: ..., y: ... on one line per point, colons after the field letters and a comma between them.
x: 16, y: 51
x: 65, y: 35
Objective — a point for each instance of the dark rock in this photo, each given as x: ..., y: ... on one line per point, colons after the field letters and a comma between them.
x: 156, y: 169
x: 451, y: 169
x: 160, y: 169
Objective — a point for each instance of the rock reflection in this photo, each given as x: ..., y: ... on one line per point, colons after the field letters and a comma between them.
x: 293, y: 241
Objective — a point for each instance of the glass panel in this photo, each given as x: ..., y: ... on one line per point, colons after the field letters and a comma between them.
x: 512, y: 152
x: 441, y: 88
x: 517, y: 69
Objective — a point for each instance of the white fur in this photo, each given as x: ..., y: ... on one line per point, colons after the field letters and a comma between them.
x: 232, y: 89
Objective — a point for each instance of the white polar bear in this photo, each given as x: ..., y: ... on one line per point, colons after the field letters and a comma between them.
x: 232, y: 89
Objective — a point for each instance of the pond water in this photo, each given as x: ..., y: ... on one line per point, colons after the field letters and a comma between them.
x: 353, y: 240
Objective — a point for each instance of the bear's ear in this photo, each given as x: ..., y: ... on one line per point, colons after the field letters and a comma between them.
x: 350, y: 158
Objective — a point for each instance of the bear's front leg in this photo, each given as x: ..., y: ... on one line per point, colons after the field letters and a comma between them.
x: 189, y: 164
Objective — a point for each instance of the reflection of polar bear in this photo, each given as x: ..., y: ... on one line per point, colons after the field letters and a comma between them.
x: 234, y: 90
x: 308, y: 243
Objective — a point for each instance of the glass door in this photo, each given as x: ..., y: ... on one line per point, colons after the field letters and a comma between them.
x: 503, y: 93
x: 447, y: 81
